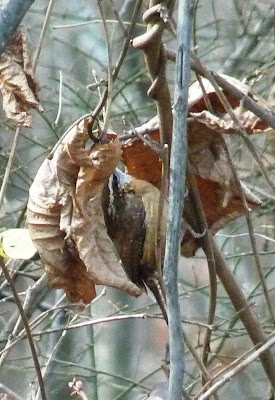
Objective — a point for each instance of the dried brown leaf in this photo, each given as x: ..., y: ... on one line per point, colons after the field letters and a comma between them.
x: 17, y: 84
x: 220, y: 118
x: 225, y: 125
x: 219, y: 192
x: 66, y: 220
x: 141, y: 161
x: 49, y: 212
x: 88, y: 228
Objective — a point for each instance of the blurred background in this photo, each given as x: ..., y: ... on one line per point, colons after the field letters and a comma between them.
x: 125, y: 359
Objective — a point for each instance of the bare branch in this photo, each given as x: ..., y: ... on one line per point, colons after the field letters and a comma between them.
x: 10, y: 19
x: 176, y: 198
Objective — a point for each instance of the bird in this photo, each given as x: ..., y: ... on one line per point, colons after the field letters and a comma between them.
x: 131, y: 209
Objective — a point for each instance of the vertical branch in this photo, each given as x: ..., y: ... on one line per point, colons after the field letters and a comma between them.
x: 177, y: 188
x: 93, y: 378
x: 156, y: 18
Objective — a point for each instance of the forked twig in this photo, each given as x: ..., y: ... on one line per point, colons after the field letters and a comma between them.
x: 93, y: 115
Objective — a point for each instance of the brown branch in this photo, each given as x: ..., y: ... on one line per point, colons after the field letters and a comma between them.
x: 156, y: 17
x: 251, y: 233
x: 237, y: 298
x: 207, y: 243
x: 247, y: 316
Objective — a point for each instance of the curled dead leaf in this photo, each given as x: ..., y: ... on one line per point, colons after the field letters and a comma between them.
x: 88, y: 229
x: 17, y: 84
x: 66, y: 221
x: 197, y: 106
x: 218, y: 190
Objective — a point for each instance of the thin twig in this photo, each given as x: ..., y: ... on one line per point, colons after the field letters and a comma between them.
x: 251, y: 233
x: 42, y: 35
x: 206, y: 239
x: 53, y: 353
x: 115, y: 72
x: 247, y: 101
x: 95, y: 21
x: 120, y: 60
x: 8, y: 168
x: 229, y: 375
x: 33, y: 324
x: 59, y: 99
x: 27, y: 329
x: 247, y: 316
x: 249, y: 42
x: 98, y: 321
x: 124, y: 379
x: 200, y: 364
x: 110, y: 77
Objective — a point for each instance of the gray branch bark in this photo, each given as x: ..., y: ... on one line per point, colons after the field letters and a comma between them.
x: 177, y: 189
x: 10, y: 18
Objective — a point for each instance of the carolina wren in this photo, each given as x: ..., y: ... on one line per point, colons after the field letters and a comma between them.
x: 130, y: 208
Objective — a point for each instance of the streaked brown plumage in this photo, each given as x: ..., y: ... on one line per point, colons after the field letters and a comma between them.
x: 131, y: 215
